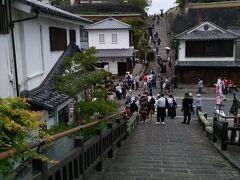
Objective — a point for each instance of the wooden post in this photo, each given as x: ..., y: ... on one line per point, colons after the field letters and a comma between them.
x: 119, y: 124
x: 224, y: 136
x: 79, y: 142
x: 110, y: 153
x: 125, y: 128
x: 98, y: 132
x: 38, y: 165
x: 214, y: 129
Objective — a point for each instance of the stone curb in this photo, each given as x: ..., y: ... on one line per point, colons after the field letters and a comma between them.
x: 226, y: 155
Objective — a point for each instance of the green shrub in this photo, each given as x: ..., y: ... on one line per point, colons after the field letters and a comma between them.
x: 150, y: 55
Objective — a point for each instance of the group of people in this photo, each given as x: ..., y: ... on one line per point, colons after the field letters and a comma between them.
x: 227, y: 85
x: 147, y: 105
x: 163, y: 105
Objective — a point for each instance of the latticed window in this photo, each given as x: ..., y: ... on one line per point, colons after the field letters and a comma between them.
x: 72, y: 34
x: 58, y: 38
x: 101, y: 38
x: 3, y: 17
x: 217, y: 48
x: 83, y: 34
x: 114, y: 38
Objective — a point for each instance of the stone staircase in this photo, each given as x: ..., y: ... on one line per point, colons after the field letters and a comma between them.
x: 160, y: 28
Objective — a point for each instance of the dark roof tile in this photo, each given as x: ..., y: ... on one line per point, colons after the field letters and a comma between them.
x: 107, y: 53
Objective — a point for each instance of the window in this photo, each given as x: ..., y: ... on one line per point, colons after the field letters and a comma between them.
x: 58, y: 38
x: 3, y: 18
x: 72, y: 34
x: 101, y: 39
x: 114, y: 38
x: 218, y: 48
x: 83, y: 34
x: 131, y: 35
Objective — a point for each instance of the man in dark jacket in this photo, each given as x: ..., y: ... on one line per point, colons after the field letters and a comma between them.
x: 187, y: 108
x: 134, y: 107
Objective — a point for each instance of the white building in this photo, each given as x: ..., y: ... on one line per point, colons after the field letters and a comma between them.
x: 37, y: 43
x: 208, y: 52
x: 113, y: 40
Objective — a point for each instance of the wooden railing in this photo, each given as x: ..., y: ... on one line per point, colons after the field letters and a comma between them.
x: 82, y: 158
x: 221, y: 130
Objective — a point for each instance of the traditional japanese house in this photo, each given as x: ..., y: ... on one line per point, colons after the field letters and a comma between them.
x: 208, y: 52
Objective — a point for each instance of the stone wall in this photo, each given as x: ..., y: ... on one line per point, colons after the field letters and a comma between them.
x: 181, y: 20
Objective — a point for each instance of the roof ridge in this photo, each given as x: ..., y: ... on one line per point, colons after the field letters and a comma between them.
x: 105, y: 20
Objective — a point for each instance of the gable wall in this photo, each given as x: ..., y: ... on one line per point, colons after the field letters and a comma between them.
x: 122, y: 39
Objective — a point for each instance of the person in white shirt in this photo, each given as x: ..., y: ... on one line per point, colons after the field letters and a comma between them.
x: 161, y: 104
x: 136, y: 80
x: 198, y: 104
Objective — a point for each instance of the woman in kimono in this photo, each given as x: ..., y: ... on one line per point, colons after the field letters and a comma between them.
x: 172, y: 107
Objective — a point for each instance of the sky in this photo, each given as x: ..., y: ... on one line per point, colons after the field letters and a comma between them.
x: 160, y: 4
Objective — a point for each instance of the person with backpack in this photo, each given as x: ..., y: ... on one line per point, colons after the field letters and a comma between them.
x: 162, y: 105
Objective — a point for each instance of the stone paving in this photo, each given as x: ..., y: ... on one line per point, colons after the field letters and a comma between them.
x: 169, y: 152
x: 172, y: 151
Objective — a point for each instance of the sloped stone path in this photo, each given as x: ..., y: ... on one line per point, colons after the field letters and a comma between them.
x: 167, y: 152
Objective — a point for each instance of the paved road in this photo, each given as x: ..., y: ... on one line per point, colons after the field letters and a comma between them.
x: 170, y: 152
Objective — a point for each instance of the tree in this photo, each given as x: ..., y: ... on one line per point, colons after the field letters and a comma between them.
x: 180, y: 3
x: 80, y: 73
x: 141, y: 4
x: 18, y: 125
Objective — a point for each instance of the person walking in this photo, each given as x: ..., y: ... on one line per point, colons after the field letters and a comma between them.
x: 187, y: 108
x: 226, y: 84
x: 172, y: 106
x: 162, y: 105
x: 143, y: 102
x: 200, y: 86
x: 133, y: 106
x: 137, y: 79
x: 151, y: 108
x: 198, y: 104
x: 161, y: 84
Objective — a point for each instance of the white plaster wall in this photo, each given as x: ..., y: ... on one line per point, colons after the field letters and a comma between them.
x: 182, y: 57
x: 6, y: 67
x: 33, y: 48
x: 113, y: 66
x: 122, y: 39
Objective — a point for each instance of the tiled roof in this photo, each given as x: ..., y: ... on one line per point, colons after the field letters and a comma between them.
x: 44, y: 96
x: 107, y: 53
x: 207, y: 35
x: 108, y: 24
x: 234, y: 29
x: 101, y: 8
x: 47, y: 8
x: 217, y: 33
x: 208, y: 63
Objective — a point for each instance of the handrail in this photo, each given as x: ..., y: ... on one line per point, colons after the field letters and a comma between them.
x: 218, y: 114
x: 11, y: 152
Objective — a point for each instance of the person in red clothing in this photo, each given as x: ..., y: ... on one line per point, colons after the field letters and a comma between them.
x: 145, y: 77
x: 127, y: 113
x: 226, y: 84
